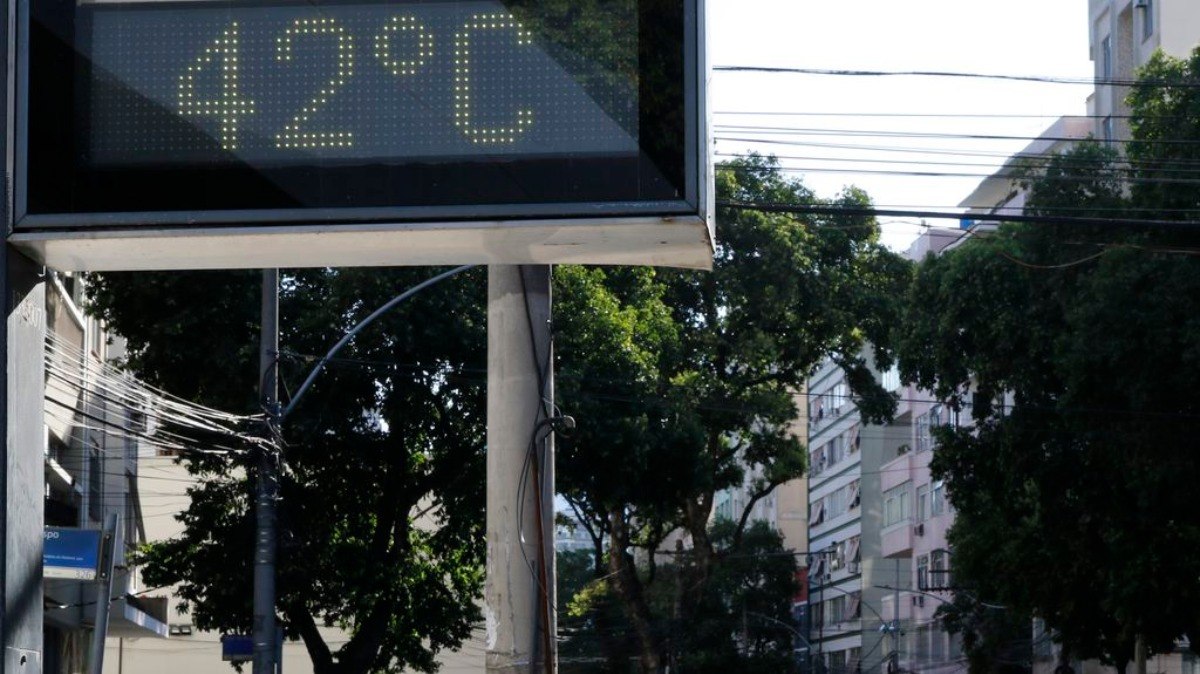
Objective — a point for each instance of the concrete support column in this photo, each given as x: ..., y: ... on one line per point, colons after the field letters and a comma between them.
x: 519, y: 592
x: 24, y: 481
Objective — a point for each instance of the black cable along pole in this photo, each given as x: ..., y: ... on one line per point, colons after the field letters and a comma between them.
x: 268, y: 482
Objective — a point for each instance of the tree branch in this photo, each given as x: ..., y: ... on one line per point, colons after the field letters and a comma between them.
x: 740, y: 531
x: 300, y: 619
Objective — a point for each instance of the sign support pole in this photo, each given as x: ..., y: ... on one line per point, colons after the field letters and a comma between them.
x: 519, y: 593
x: 268, y: 483
x: 104, y: 585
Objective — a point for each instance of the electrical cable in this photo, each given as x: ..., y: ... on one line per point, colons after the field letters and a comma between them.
x: 1048, y: 79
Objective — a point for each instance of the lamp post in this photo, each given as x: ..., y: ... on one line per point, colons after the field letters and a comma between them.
x: 265, y: 635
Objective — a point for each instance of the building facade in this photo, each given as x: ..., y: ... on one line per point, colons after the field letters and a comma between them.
x: 92, y: 450
x: 1122, y: 36
x: 854, y: 618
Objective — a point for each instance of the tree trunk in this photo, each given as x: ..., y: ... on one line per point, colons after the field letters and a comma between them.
x: 612, y: 648
x: 629, y: 589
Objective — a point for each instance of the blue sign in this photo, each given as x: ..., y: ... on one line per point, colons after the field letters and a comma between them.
x: 71, y: 553
x: 237, y: 648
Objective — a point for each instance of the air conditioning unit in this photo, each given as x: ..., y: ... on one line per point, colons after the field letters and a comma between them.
x: 919, y: 530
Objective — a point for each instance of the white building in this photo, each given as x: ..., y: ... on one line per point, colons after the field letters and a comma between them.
x: 1123, y: 35
x: 852, y: 612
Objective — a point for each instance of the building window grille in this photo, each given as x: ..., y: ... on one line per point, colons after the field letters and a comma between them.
x: 1147, y: 18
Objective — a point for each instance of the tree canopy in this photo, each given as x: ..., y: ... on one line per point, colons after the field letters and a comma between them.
x: 684, y: 383
x: 381, y: 510
x: 1074, y: 342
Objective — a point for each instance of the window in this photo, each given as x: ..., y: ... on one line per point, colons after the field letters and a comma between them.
x: 939, y: 570
x: 1147, y: 19
x: 854, y: 660
x: 837, y: 609
x: 924, y: 436
x: 818, y: 614
x: 816, y: 568
x: 130, y: 515
x: 922, y: 503
x: 816, y: 513
x: 95, y: 482
x: 854, y: 606
x: 937, y: 498
x: 854, y: 549
x: 839, y: 556
x: 840, y: 396
x: 853, y: 440
x: 891, y: 379
x: 837, y: 662
x: 838, y: 502
x: 1109, y: 131
x: 922, y: 572
x: 1106, y: 61
x: 837, y: 451
x: 855, y: 494
x: 937, y: 644
x: 896, y: 505
x: 816, y: 462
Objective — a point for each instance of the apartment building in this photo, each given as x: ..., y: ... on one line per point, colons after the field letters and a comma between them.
x: 1123, y: 35
x: 92, y: 455
x: 786, y: 508
x: 854, y: 618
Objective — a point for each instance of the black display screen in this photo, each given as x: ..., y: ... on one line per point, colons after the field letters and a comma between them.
x: 193, y: 105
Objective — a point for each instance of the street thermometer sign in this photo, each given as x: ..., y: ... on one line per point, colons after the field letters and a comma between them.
x: 195, y: 134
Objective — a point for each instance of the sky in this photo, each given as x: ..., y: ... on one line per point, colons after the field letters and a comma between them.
x: 996, y: 37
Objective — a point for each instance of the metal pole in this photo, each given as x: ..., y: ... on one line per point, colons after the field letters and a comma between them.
x: 268, y: 478
x: 104, y: 585
x: 896, y: 622
x: 519, y: 590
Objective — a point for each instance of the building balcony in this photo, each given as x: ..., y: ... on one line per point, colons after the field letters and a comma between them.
x: 897, y: 540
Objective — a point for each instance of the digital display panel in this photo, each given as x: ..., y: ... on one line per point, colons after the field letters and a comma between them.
x: 401, y: 108
x: 290, y: 84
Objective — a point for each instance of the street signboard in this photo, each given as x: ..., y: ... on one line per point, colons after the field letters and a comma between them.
x: 237, y: 133
x: 237, y: 647
x: 71, y: 553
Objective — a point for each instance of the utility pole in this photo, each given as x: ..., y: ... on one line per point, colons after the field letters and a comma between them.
x: 896, y: 621
x: 519, y: 596
x: 268, y: 482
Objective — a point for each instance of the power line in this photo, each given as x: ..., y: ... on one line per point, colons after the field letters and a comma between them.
x: 867, y: 211
x: 1047, y: 79
x: 943, y: 135
x: 931, y: 115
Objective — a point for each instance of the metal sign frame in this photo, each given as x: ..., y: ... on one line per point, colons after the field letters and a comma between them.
x: 666, y: 233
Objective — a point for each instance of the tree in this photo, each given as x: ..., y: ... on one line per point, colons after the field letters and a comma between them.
x: 680, y: 381
x: 1075, y: 347
x: 381, y: 512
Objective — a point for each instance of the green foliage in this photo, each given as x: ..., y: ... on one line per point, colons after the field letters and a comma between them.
x: 683, y: 381
x: 995, y: 639
x: 392, y: 429
x: 1080, y: 345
